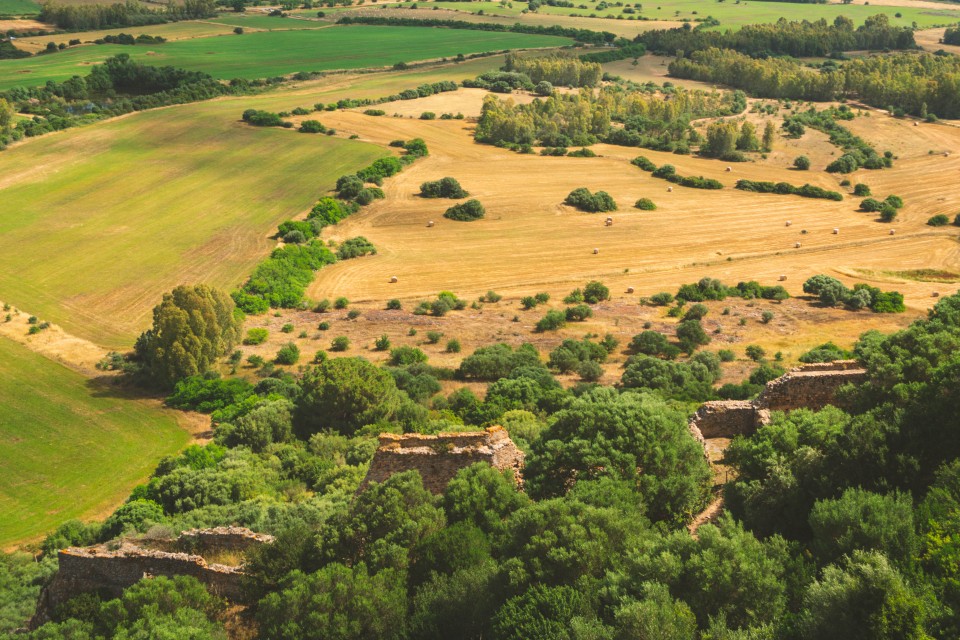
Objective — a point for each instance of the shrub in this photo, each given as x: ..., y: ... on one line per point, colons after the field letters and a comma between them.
x: 643, y: 163
x: 394, y: 305
x: 340, y: 343
x: 766, y: 317
x: 578, y: 313
x: 552, y: 321
x: 595, y: 292
x: 888, y: 213
x: 802, y: 163
x: 428, y: 115
x: 355, y: 247
x: 690, y: 334
x: 312, y: 126
x: 323, y: 326
x: 726, y: 355
x: 405, y: 356
x: 939, y: 220
x: 382, y: 343
x: 755, y: 352
x: 341, y: 303
x: 453, y: 346
x: 465, y: 211
x: 582, y: 199
x: 444, y: 188
x: 492, y: 296
x: 433, y: 337
x: 287, y: 328
x: 645, y: 204
x: 288, y: 354
x: 256, y: 336
x: 582, y: 153
x: 861, y: 190
x: 590, y: 371
x: 662, y: 299
x: 353, y: 314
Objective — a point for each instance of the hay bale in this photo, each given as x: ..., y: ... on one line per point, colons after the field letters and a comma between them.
x: 393, y: 279
x: 430, y: 223
x: 629, y: 289
x: 596, y: 251
x: 935, y: 294
x: 669, y: 189
x: 729, y: 169
x: 916, y: 124
x: 893, y: 231
x: 796, y: 245
x: 782, y: 278
x: 836, y: 231
x: 789, y: 223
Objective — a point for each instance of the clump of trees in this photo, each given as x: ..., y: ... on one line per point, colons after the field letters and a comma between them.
x: 558, y: 70
x: 582, y: 199
x: 645, y: 204
x: 355, y: 247
x: 465, y: 211
x: 832, y: 292
x: 806, y: 191
x: 669, y: 173
x: 192, y: 328
x: 443, y: 188
x: 93, y: 17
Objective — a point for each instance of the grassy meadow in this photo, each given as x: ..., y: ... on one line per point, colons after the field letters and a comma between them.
x: 272, y: 53
x: 68, y: 449
x: 730, y: 14
x: 19, y: 8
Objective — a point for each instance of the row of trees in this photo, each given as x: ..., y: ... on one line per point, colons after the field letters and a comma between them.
x: 785, y: 38
x: 566, y: 71
x: 90, y: 17
x: 919, y: 84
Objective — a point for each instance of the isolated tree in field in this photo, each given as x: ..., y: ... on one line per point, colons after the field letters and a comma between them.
x: 748, y: 138
x: 769, y: 133
x: 192, y: 327
x: 802, y: 163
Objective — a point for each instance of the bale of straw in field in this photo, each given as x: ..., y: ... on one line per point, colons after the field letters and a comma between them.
x: 596, y: 251
x: 393, y: 279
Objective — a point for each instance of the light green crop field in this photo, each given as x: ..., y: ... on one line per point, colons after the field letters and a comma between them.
x: 730, y: 14
x: 98, y: 222
x: 254, y: 21
x: 19, y: 8
x: 69, y: 450
x: 273, y: 53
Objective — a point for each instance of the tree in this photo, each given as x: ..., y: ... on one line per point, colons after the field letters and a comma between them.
x: 6, y: 115
x: 748, y: 138
x: 344, y: 394
x: 802, y: 163
x: 721, y: 140
x: 545, y: 613
x: 862, y: 598
x: 691, y: 334
x: 630, y: 436
x: 192, y: 327
x: 655, y: 615
x: 769, y: 134
x: 466, y: 211
x: 595, y: 292
x: 336, y: 602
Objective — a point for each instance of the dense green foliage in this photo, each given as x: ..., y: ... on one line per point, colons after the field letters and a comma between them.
x: 590, y: 202
x: 192, y: 328
x: 465, y: 211
x: 806, y: 191
x: 89, y: 17
x: 443, y: 188
x: 557, y: 70
x: 832, y: 292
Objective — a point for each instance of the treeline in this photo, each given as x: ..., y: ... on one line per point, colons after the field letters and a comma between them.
x: 88, y: 17
x: 585, y: 118
x: 10, y: 52
x: 282, y: 279
x: 785, y: 188
x: 565, y: 71
x: 612, y: 55
x: 580, y: 35
x: 118, y: 86
x: 669, y: 173
x: 791, y: 38
x: 918, y: 84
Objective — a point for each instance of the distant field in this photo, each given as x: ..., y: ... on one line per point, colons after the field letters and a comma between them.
x: 254, y: 21
x: 171, y: 31
x: 19, y: 7
x: 98, y: 222
x: 273, y: 53
x: 68, y: 450
x: 730, y: 14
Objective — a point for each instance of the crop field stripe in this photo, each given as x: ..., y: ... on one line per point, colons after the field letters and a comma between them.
x: 19, y: 8
x: 272, y: 53
x: 69, y: 449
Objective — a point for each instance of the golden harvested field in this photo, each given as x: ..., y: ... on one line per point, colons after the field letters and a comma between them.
x: 530, y: 242
x: 173, y: 31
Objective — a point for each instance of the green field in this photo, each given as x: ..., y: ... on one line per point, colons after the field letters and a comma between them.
x: 98, y: 222
x: 273, y: 53
x: 266, y: 22
x: 19, y: 8
x: 68, y: 449
x: 730, y: 14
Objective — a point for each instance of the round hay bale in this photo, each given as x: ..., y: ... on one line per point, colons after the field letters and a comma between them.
x: 729, y: 169
x: 935, y: 294
x: 893, y: 231
x: 836, y: 231
x: 669, y: 189
x: 608, y: 222
x: 782, y: 278
x: 796, y: 245
x: 596, y: 251
x: 629, y: 289
x: 393, y: 279
x: 430, y: 223
x: 916, y: 124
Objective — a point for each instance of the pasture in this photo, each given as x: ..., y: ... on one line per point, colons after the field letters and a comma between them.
x: 19, y: 8
x: 70, y: 448
x: 530, y: 242
x: 273, y: 53
x: 730, y: 14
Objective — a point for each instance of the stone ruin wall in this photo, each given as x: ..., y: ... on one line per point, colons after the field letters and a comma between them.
x: 108, y: 571
x: 811, y: 386
x: 438, y: 458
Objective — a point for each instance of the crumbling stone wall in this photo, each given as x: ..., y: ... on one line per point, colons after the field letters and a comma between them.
x: 438, y: 458
x: 108, y: 570
x: 221, y: 539
x: 811, y: 386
